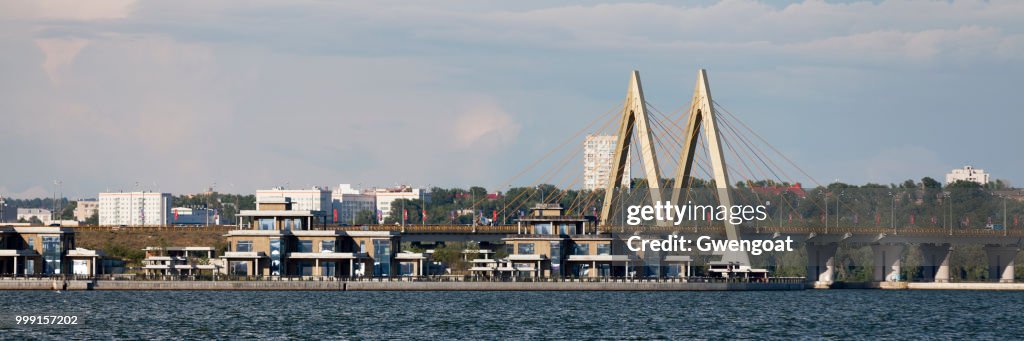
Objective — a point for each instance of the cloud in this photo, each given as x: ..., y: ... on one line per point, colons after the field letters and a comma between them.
x: 484, y: 125
x: 60, y: 54
x: 69, y: 9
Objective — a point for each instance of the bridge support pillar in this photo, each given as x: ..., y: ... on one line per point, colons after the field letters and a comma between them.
x: 1000, y: 262
x: 821, y: 260
x: 887, y: 262
x: 936, y: 262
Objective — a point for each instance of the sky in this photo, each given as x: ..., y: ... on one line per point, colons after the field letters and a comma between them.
x: 179, y: 96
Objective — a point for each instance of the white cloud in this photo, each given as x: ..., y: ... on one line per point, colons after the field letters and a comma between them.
x: 60, y: 55
x: 484, y: 125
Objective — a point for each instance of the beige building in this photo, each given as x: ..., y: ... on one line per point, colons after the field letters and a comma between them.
x: 968, y: 173
x: 551, y: 244
x: 277, y: 240
x: 84, y: 209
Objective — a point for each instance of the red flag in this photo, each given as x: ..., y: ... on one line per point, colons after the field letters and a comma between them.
x: 494, y: 214
x: 911, y: 219
x: 878, y: 218
x: 335, y: 215
x: 934, y: 220
x: 175, y: 215
x: 424, y: 216
x: 405, y: 214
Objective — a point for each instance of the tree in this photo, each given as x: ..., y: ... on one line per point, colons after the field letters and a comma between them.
x: 94, y: 219
x: 35, y: 221
x: 928, y: 182
x: 68, y: 211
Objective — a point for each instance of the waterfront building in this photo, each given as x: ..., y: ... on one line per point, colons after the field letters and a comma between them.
x: 551, y: 244
x: 85, y: 208
x: 36, y: 250
x: 134, y: 209
x: 278, y: 239
x: 598, y: 152
x: 968, y: 173
x: 313, y: 199
x: 194, y: 216
x: 189, y: 260
x: 349, y: 201
x: 26, y: 214
x: 385, y: 196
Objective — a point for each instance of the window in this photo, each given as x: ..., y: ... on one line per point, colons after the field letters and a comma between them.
x: 566, y: 229
x: 542, y: 228
x: 327, y: 246
x: 243, y: 246
x: 266, y: 224
x: 31, y: 243
x: 305, y: 246
x: 381, y: 257
x: 275, y: 257
x: 604, y: 249
x: 556, y: 259
x: 581, y: 249
x: 239, y: 268
x: 51, y: 255
x: 525, y: 249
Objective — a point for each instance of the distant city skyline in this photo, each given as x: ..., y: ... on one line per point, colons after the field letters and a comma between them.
x: 177, y: 97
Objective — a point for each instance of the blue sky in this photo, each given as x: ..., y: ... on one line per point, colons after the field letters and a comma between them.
x: 177, y: 96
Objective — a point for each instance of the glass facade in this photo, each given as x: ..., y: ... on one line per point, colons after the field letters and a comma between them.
x: 239, y: 268
x: 525, y: 249
x: 556, y: 259
x: 51, y: 254
x: 327, y: 268
x: 276, y: 251
x: 542, y: 228
x: 31, y: 243
x: 304, y: 246
x: 566, y: 229
x: 604, y: 249
x: 327, y: 245
x: 304, y: 268
x: 581, y: 249
x: 381, y: 257
x: 266, y: 224
x: 243, y: 246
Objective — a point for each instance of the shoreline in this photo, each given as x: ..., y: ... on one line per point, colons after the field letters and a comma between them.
x: 110, y: 285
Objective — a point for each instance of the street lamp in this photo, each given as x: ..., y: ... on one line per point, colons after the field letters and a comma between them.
x: 892, y: 212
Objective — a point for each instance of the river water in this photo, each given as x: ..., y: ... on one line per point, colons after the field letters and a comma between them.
x: 811, y: 314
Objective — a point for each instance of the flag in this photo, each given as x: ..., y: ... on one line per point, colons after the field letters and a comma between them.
x: 494, y: 215
x: 856, y: 217
x: 935, y: 220
x: 380, y: 216
x: 335, y: 214
x: 405, y: 215
x: 1015, y: 218
x: 878, y: 219
x: 990, y: 220
x: 175, y: 215
x: 790, y: 217
x: 452, y: 214
x: 911, y: 219
x: 424, y: 216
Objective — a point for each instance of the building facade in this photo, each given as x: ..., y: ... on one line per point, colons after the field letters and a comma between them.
x: 386, y: 196
x: 42, y: 214
x: 135, y: 209
x: 278, y: 240
x: 8, y: 213
x: 968, y: 173
x: 36, y: 250
x: 313, y: 199
x: 194, y: 216
x: 598, y: 152
x: 84, y: 209
x: 550, y: 244
x: 348, y: 202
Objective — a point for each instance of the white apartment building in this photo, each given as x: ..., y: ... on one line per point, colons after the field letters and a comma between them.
x: 385, y: 196
x: 313, y: 199
x: 350, y: 201
x: 598, y: 152
x: 85, y: 208
x: 135, y: 209
x: 968, y: 173
x: 42, y: 214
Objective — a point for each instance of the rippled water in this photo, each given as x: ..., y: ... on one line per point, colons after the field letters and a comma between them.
x: 812, y: 314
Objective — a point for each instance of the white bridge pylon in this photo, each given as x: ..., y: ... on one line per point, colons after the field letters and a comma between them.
x: 702, y: 115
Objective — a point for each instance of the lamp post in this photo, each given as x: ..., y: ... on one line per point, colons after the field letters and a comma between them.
x: 892, y: 212
x: 949, y: 198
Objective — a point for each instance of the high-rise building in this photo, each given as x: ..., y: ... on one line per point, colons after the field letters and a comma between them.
x: 350, y: 201
x: 314, y: 199
x: 135, y: 209
x: 598, y: 152
x: 968, y: 173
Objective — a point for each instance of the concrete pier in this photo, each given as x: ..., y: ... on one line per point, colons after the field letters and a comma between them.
x: 821, y: 260
x: 887, y: 261
x: 936, y: 262
x: 1000, y: 262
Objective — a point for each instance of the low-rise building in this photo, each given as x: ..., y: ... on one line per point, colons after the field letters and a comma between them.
x: 189, y: 260
x: 194, y: 216
x: 968, y: 173
x: 86, y: 208
x: 386, y: 196
x: 277, y: 240
x: 349, y: 201
x: 551, y: 244
x: 36, y: 250
x: 26, y: 214
x: 313, y: 199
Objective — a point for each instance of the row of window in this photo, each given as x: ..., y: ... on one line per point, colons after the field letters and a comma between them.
x: 577, y: 249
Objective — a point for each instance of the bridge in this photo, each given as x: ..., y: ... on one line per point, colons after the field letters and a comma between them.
x: 710, y: 147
